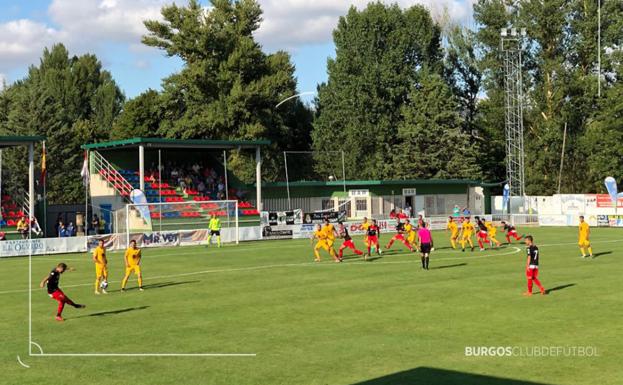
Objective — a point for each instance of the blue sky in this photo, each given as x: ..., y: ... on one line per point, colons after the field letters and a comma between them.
x: 112, y: 30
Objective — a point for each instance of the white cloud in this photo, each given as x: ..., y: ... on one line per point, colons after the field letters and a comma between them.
x: 289, y: 23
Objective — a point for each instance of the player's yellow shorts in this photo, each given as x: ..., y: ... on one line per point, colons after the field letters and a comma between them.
x: 330, y: 242
x: 133, y: 268
x: 411, y: 238
x: 583, y: 242
x: 454, y: 234
x: 467, y: 235
x: 101, y: 270
x: 322, y: 245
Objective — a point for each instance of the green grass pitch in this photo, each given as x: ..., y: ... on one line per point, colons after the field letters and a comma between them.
x: 366, y: 323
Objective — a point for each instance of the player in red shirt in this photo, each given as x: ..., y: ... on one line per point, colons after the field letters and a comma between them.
x: 510, y: 232
x: 373, y: 238
x: 532, y: 266
x: 482, y: 233
x: 342, y: 232
x: 400, y: 236
x: 55, y: 292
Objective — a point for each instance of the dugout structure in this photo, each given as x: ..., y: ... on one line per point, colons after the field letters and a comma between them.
x: 29, y: 142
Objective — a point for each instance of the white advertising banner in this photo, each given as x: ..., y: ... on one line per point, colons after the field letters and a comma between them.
x: 42, y: 246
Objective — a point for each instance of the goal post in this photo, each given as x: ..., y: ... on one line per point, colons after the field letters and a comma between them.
x: 175, y: 223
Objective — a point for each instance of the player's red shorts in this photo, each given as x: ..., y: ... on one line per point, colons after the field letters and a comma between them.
x: 482, y: 234
x: 58, y: 295
x: 373, y: 239
x: 532, y: 273
x: 512, y: 233
x: 399, y: 237
x: 349, y: 244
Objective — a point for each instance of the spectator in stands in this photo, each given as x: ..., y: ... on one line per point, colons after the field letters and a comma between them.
x: 408, y: 211
x: 466, y: 211
x: 96, y: 224
x: 22, y: 227
x: 70, y: 230
x: 61, y: 229
x: 201, y: 188
x: 401, y: 214
x: 2, y: 236
x: 196, y: 168
x: 392, y: 214
x: 102, y: 228
x: 59, y: 220
x: 456, y: 211
x: 34, y: 226
x: 175, y: 174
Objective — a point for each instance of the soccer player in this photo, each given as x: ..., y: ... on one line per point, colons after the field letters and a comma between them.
x: 467, y: 230
x: 584, y: 233
x: 426, y: 244
x: 364, y: 226
x: 321, y: 235
x: 373, y: 233
x: 52, y: 281
x: 510, y: 232
x: 400, y: 236
x: 411, y: 234
x: 348, y: 241
x: 454, y: 231
x: 132, y: 259
x: 532, y: 266
x: 215, y: 230
x: 492, y: 230
x: 482, y: 233
x: 101, y: 266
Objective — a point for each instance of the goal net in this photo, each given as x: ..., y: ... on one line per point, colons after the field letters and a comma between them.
x: 177, y: 223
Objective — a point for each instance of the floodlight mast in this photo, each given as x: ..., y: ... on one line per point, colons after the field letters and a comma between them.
x: 511, y: 47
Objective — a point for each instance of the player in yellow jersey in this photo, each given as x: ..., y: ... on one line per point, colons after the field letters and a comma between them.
x: 467, y: 231
x: 320, y: 235
x: 132, y: 259
x: 365, y: 225
x: 584, y: 242
x: 411, y: 234
x: 492, y: 231
x: 454, y: 231
x: 101, y: 267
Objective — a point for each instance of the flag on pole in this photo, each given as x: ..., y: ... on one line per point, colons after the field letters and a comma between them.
x: 43, y: 165
x: 85, y: 170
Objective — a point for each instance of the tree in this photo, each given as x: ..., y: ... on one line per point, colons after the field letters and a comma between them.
x: 433, y: 144
x: 229, y: 87
x: 379, y: 51
x: 140, y: 117
x: 69, y: 100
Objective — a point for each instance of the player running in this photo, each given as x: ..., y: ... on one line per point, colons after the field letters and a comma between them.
x: 52, y: 281
x: 492, y: 230
x: 348, y: 241
x: 584, y: 232
x: 101, y: 267
x: 374, y: 232
x: 454, y: 231
x: 215, y: 230
x: 411, y: 233
x: 467, y: 230
x: 365, y: 225
x: 510, y: 232
x: 425, y: 241
x: 132, y: 260
x: 322, y: 243
x: 400, y: 236
x: 482, y: 233
x: 532, y: 266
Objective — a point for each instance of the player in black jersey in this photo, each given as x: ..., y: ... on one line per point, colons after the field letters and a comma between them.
x: 532, y: 266
x: 400, y: 236
x: 342, y: 232
x: 52, y: 281
x: 510, y: 232
x: 482, y: 233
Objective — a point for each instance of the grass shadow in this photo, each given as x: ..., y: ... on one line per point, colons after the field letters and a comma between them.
x: 448, y: 266
x: 113, y: 312
x: 597, y: 255
x: 561, y: 287
x: 164, y: 284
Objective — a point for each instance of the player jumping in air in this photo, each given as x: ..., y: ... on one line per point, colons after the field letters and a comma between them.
x: 482, y: 233
x: 374, y: 232
x: 454, y: 231
x: 322, y: 243
x: 101, y: 266
x: 400, y: 236
x: 492, y: 230
x: 467, y: 230
x: 425, y: 244
x: 532, y: 266
x: 510, y: 232
x: 584, y: 233
x: 348, y: 241
x: 215, y: 230
x: 52, y: 281
x: 132, y: 260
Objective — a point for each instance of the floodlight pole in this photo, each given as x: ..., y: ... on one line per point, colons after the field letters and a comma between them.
x: 160, y: 189
x: 31, y: 188
x: 258, y: 179
x: 225, y: 173
x: 599, y: 48
x: 343, y: 172
x: 285, y: 161
x: 141, y: 167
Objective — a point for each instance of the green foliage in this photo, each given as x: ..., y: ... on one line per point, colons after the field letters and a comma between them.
x: 71, y: 101
x: 229, y: 87
x: 140, y: 117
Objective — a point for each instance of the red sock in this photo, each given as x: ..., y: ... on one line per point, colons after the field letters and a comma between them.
x: 529, y: 285
x: 508, y: 239
x: 61, y: 306
x: 408, y: 245
x: 538, y: 283
x: 391, y: 242
x: 517, y: 237
x: 341, y: 252
x: 358, y: 252
x: 480, y: 243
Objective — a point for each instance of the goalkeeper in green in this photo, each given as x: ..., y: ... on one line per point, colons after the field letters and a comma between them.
x: 215, y: 230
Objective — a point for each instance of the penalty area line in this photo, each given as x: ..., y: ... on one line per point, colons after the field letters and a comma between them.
x: 143, y: 355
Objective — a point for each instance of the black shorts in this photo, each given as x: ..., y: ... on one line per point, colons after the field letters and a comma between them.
x: 425, y: 248
x: 215, y: 232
